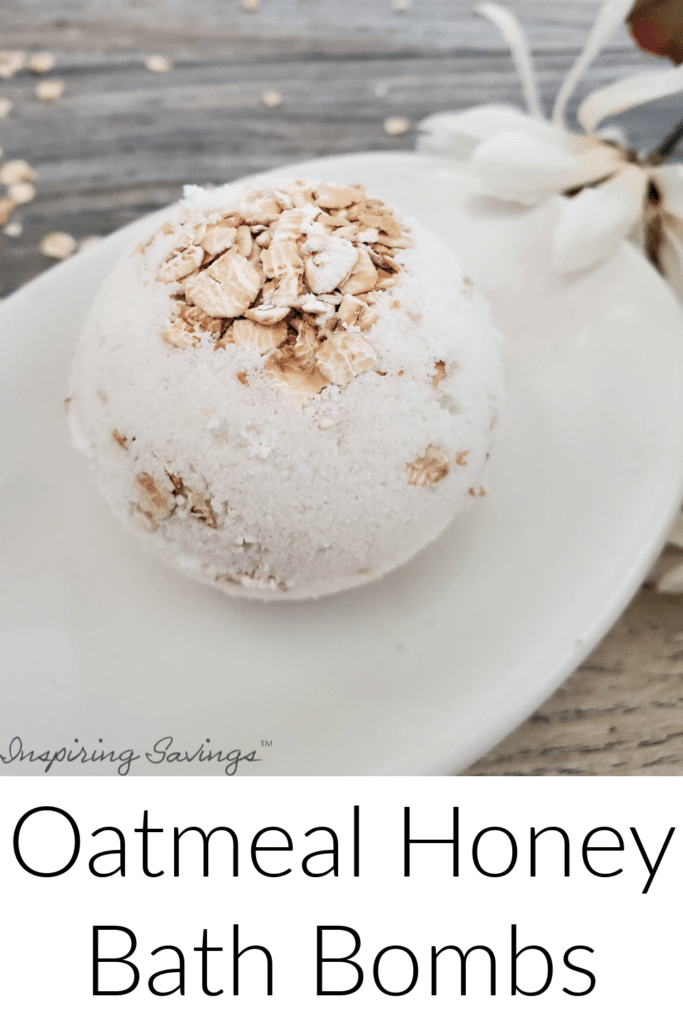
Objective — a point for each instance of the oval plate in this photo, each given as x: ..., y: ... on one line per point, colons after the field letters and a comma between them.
x: 104, y: 649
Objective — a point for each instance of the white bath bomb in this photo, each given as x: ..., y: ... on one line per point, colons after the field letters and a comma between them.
x: 286, y: 391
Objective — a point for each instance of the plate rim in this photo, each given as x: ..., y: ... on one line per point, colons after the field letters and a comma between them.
x: 649, y: 545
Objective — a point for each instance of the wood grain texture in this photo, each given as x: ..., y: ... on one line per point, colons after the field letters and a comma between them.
x: 620, y: 713
x: 123, y: 140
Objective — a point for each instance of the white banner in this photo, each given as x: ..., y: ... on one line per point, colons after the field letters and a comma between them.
x: 318, y: 899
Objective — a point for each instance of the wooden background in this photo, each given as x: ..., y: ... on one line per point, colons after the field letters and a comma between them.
x: 123, y: 140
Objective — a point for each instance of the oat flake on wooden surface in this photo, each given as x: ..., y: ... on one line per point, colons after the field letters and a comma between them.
x: 40, y: 63
x: 58, y: 244
x: 158, y: 64
x: 16, y: 170
x: 11, y: 61
x: 396, y: 125
x: 21, y: 192
x: 49, y: 90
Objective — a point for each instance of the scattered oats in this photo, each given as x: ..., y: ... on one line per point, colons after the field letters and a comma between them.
x: 5, y: 106
x: 279, y: 258
x: 16, y: 170
x: 217, y: 238
x: 243, y: 241
x: 14, y: 229
x: 85, y: 243
x: 338, y: 197
x: 312, y: 305
x: 267, y: 315
x: 354, y: 312
x: 6, y: 207
x: 262, y: 337
x: 178, y: 335
x: 429, y: 468
x: 396, y: 125
x: 156, y: 500
x: 271, y: 98
x: 261, y: 211
x: 200, y: 508
x: 227, y: 338
x: 302, y: 380
x: 185, y: 258
x: 330, y: 266
x: 344, y: 356
x: 158, y: 63
x: 439, y: 374
x: 11, y: 61
x: 325, y: 423
x: 22, y: 192
x: 363, y: 277
x: 59, y: 245
x: 251, y: 5
x: 227, y: 288
x: 40, y: 63
x: 50, y: 89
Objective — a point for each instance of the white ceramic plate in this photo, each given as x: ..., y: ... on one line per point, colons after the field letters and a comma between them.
x: 102, y: 648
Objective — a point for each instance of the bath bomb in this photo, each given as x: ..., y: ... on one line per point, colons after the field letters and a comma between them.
x: 286, y: 390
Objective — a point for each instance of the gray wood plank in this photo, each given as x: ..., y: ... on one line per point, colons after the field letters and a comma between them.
x: 431, y: 24
x: 620, y: 713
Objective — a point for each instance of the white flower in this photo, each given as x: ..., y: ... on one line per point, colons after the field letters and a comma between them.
x: 609, y: 192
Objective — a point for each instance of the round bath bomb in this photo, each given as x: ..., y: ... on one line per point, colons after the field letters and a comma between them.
x: 286, y: 390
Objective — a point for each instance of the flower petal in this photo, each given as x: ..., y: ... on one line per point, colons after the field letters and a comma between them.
x: 517, y: 167
x: 629, y: 92
x: 513, y: 35
x: 610, y: 17
x: 592, y: 224
x: 457, y: 133
x: 669, y: 183
x: 670, y: 256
